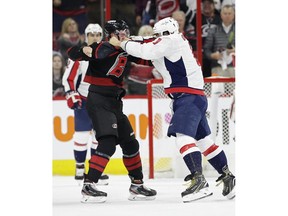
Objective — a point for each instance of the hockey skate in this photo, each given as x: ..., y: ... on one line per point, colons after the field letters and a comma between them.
x: 139, y: 192
x: 79, y: 173
x: 91, y: 194
x: 228, y: 180
x: 198, y: 188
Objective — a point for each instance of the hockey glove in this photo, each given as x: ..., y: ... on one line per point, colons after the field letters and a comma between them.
x: 73, y: 100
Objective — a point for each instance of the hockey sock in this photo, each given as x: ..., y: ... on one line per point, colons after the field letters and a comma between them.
x: 93, y: 148
x: 213, y: 153
x: 80, y: 156
x: 194, y: 161
x: 190, y: 152
x: 132, y: 159
x: 100, y: 158
x: 133, y: 165
x: 80, y: 145
x: 219, y: 161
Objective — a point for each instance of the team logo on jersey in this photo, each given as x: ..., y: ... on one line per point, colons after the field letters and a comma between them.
x: 114, y: 125
x: 118, y: 67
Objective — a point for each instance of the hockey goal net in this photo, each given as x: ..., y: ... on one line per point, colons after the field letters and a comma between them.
x: 164, y: 158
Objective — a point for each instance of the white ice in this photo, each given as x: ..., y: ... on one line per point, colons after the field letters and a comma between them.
x: 67, y: 196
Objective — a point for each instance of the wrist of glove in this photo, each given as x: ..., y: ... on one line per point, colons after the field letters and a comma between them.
x: 73, y: 100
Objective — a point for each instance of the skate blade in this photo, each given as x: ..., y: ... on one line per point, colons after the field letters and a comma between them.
x: 139, y: 197
x: 205, y: 192
x: 91, y: 199
x: 231, y: 195
x: 102, y: 182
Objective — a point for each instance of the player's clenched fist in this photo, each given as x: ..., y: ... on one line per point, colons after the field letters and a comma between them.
x: 87, y: 51
x: 114, y: 42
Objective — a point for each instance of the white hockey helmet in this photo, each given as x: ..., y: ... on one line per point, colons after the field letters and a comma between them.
x: 166, y: 26
x: 93, y: 28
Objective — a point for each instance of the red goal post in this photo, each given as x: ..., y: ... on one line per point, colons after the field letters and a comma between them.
x: 158, y: 121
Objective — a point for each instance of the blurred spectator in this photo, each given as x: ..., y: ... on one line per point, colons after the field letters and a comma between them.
x: 189, y: 8
x: 210, y: 19
x: 69, y: 37
x: 75, y: 9
x: 217, y: 4
x: 228, y: 2
x: 142, y: 9
x: 58, y: 69
x: 149, y: 12
x: 219, y: 48
x: 137, y: 79
x: 220, y: 44
x: 145, y: 30
x: 180, y: 17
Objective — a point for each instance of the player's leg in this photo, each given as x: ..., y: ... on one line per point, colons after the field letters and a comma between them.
x: 80, y: 150
x: 217, y: 158
x: 132, y: 162
x: 103, y: 121
x: 81, y: 137
x: 104, y: 179
x: 97, y: 164
x: 183, y: 125
x: 197, y: 186
x: 87, y: 124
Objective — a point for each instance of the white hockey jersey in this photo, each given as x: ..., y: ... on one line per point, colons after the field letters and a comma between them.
x: 73, y: 78
x: 172, y: 56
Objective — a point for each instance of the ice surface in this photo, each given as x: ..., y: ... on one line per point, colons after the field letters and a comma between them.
x: 67, y: 196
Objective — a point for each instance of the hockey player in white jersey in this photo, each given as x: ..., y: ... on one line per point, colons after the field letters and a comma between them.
x: 172, y: 56
x: 76, y: 92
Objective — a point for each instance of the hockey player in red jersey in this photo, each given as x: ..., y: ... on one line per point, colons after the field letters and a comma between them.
x: 76, y: 93
x: 172, y: 56
x: 104, y: 105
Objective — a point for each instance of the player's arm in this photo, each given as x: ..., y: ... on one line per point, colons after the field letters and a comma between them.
x: 141, y: 39
x: 71, y: 75
x: 76, y: 53
x: 69, y: 82
x: 102, y: 50
x: 149, y: 51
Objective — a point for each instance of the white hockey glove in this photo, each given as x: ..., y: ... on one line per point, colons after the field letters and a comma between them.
x: 73, y: 100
